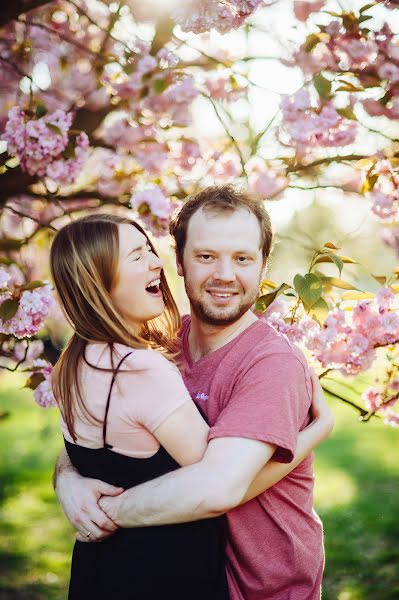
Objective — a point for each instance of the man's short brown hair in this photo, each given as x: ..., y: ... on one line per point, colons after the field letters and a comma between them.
x: 220, y: 199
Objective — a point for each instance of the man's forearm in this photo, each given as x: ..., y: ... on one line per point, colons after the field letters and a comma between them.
x: 62, y: 466
x: 188, y: 494
x: 206, y: 489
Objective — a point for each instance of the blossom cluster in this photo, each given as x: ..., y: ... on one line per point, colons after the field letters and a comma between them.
x: 153, y: 208
x: 43, y: 393
x: 345, y: 46
x: 198, y: 16
x: 384, y: 196
x: 348, y: 338
x: 377, y: 400
x: 40, y: 144
x: 314, y: 123
x: 33, y: 308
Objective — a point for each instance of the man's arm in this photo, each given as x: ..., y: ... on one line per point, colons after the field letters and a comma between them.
x: 208, y: 488
x: 315, y: 433
x: 81, y: 507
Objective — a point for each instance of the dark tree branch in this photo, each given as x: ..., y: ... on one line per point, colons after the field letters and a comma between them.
x: 14, y: 182
x: 12, y: 10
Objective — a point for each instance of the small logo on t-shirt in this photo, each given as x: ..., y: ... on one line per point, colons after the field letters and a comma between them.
x: 201, y: 396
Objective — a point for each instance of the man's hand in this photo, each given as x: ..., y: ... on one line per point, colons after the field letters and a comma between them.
x: 79, y: 498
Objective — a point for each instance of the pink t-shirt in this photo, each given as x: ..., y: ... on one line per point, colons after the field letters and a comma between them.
x: 147, y: 390
x: 258, y: 386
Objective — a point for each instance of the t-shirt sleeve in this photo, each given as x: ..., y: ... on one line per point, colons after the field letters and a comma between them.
x: 158, y: 390
x: 269, y: 403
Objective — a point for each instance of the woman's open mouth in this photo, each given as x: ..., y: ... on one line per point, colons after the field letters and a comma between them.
x: 154, y: 288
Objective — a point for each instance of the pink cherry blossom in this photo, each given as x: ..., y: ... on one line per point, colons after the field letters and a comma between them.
x: 264, y: 180
x: 4, y: 278
x: 383, y: 206
x: 33, y: 309
x: 391, y: 418
x: 224, y: 166
x: 152, y: 156
x: 154, y: 209
x: 199, y: 16
x: 185, y: 154
x: 303, y: 9
x: 224, y: 88
x: 33, y: 351
x: 372, y: 399
x: 43, y: 394
x: 308, y: 123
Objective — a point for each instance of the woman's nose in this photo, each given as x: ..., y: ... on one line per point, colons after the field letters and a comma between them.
x: 155, y: 262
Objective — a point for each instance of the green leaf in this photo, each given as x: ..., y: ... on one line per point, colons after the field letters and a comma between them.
x: 264, y: 301
x: 319, y: 311
x: 4, y: 260
x: 358, y: 296
x: 380, y: 278
x: 364, y: 18
x: 34, y: 380
x: 349, y: 88
x: 309, y: 288
x: 54, y: 128
x: 334, y: 258
x: 347, y: 113
x: 322, y: 85
x: 348, y: 260
x: 311, y: 41
x: 8, y: 309
x: 339, y: 283
x: 41, y: 110
x: 159, y: 86
x: 32, y: 285
x: 366, y: 7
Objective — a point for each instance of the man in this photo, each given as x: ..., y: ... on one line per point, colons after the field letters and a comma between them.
x: 254, y: 389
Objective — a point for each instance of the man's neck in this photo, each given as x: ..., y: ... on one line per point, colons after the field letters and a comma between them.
x: 204, y: 338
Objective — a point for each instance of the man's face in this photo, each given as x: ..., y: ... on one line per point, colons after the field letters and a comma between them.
x: 222, y: 265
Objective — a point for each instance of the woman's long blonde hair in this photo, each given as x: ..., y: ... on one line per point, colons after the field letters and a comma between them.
x: 84, y: 260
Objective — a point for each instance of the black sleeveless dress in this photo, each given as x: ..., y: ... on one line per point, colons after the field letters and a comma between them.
x: 176, y: 562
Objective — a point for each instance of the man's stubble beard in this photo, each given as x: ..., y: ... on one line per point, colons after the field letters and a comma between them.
x: 214, y: 316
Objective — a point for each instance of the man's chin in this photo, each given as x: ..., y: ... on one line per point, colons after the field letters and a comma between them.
x: 218, y: 317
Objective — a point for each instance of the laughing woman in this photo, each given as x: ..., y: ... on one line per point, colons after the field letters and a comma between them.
x: 126, y: 415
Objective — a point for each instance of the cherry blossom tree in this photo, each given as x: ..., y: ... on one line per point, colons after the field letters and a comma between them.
x: 99, y: 111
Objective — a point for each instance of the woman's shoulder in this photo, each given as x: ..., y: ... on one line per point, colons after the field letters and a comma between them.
x: 133, y: 358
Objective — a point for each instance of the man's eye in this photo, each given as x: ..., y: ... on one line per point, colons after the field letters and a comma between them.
x: 206, y: 257
x: 243, y: 259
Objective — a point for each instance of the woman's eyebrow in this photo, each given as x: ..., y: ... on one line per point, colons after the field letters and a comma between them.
x: 135, y: 249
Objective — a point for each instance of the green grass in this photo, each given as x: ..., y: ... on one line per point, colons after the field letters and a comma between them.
x: 357, y: 472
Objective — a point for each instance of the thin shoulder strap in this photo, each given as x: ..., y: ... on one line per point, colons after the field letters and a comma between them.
x: 105, y: 445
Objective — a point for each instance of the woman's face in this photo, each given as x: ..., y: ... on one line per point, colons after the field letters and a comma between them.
x: 136, y: 291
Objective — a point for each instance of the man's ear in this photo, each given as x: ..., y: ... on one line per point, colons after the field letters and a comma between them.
x: 179, y: 267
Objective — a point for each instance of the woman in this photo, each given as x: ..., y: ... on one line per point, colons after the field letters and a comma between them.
x: 126, y: 414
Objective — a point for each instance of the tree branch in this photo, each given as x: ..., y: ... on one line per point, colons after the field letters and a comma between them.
x: 324, y: 161
x: 12, y: 10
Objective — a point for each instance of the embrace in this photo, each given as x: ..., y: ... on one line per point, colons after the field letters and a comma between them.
x: 188, y: 443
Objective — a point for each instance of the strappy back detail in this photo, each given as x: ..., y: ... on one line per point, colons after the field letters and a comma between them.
x: 105, y: 445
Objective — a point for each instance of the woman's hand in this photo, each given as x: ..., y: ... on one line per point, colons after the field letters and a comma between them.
x: 321, y: 413
x: 79, y: 498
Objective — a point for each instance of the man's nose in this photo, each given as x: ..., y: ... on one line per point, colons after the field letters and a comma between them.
x: 224, y: 271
